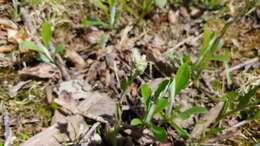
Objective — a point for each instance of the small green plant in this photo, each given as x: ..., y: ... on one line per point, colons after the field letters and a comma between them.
x: 46, y: 37
x: 151, y: 107
x: 157, y: 104
x: 111, y: 11
x: 212, y: 4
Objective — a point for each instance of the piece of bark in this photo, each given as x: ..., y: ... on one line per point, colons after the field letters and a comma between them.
x: 66, y: 130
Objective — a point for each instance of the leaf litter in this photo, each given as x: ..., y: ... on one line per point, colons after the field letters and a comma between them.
x: 96, y: 60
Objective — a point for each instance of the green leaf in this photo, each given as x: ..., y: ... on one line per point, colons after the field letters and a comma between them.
x: 123, y: 85
x: 191, y: 111
x: 180, y: 131
x: 146, y: 94
x: 100, y: 4
x: 112, y: 15
x: 160, y: 105
x: 221, y: 58
x: 44, y: 58
x: 46, y: 33
x: 155, y: 108
x: 181, y: 80
x: 206, y: 39
x: 136, y: 122
x: 160, y: 3
x: 162, y: 87
x: 60, y: 48
x: 111, y: 2
x: 244, y: 100
x: 44, y: 53
x: 256, y: 116
x: 158, y: 132
x: 30, y: 45
x: 94, y: 22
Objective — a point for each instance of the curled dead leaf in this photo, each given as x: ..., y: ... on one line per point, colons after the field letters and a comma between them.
x: 75, y: 58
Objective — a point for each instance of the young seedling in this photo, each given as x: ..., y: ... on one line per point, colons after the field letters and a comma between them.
x: 46, y: 37
x: 109, y: 7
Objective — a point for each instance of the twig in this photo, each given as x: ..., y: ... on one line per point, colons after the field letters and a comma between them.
x: 86, y: 138
x: 8, y: 131
x: 188, y: 39
x: 60, y: 63
x: 230, y: 132
x: 246, y: 63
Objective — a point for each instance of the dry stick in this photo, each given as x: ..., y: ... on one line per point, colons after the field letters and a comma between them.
x: 87, y: 136
x: 230, y: 132
x: 246, y: 63
x: 8, y: 130
x: 189, y: 39
x: 33, y: 32
x: 60, y: 63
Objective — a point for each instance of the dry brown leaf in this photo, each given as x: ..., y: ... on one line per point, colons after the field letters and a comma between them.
x: 3, y: 1
x: 94, y: 37
x: 65, y: 131
x: 8, y: 48
x: 58, y: 116
x: 6, y: 23
x: 66, y: 101
x: 99, y: 105
x: 173, y: 17
x: 15, y: 36
x: 43, y: 71
x: 75, y: 58
x: 207, y: 119
x: 78, y: 88
x: 5, y: 61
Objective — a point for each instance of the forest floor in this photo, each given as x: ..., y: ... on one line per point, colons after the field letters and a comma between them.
x: 116, y: 72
